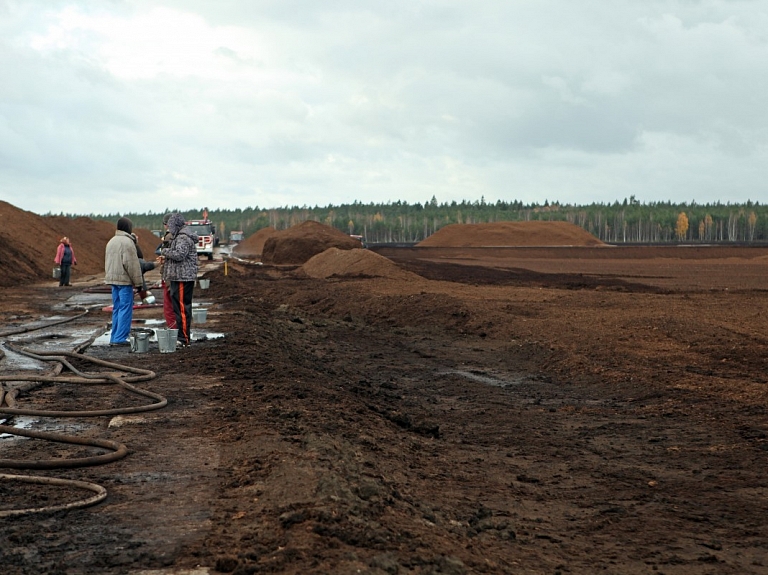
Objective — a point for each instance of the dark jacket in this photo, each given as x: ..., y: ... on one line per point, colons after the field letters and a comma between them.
x: 181, y: 255
x: 61, y: 258
x: 145, y: 265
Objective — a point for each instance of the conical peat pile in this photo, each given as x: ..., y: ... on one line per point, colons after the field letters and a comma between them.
x: 253, y: 245
x: 299, y: 243
x: 334, y: 262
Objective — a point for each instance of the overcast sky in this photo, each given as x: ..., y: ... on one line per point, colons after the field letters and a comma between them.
x: 129, y: 105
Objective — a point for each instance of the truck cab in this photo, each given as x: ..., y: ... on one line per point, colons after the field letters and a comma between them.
x: 360, y: 239
x: 207, y: 238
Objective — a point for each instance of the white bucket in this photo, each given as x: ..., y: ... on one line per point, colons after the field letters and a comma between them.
x: 56, y: 272
x: 199, y: 315
x: 204, y: 284
x: 166, y: 340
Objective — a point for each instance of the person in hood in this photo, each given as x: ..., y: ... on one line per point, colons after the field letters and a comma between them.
x: 179, y: 261
x: 123, y: 272
x: 65, y: 259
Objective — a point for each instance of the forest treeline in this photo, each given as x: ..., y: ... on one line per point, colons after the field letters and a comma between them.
x: 629, y: 221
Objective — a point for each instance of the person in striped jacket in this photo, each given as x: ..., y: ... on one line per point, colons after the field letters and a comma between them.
x: 180, y: 262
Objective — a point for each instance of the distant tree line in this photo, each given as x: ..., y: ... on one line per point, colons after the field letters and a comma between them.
x: 629, y: 221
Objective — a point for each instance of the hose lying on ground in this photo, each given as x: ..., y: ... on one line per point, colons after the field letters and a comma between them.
x: 85, y: 378
x: 27, y: 329
x: 101, y: 493
x: 8, y: 405
x: 119, y: 452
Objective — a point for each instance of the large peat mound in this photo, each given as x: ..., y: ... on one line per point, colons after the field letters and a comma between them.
x: 253, y: 245
x: 508, y: 234
x: 299, y: 243
x: 28, y: 244
x: 334, y: 262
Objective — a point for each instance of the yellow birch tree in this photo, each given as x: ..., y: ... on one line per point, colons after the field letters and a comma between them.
x: 681, y: 228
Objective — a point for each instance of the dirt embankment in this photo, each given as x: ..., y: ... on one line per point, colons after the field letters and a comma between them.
x: 28, y: 244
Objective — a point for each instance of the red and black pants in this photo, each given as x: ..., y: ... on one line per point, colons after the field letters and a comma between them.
x: 181, y: 297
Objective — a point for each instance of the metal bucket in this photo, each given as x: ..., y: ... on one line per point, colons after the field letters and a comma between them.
x: 140, y: 341
x: 166, y: 340
x: 204, y: 284
x: 56, y: 272
x: 199, y: 315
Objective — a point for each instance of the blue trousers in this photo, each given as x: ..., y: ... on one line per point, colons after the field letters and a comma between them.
x: 122, y: 313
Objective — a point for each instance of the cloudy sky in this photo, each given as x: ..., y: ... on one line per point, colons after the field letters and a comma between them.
x: 130, y: 105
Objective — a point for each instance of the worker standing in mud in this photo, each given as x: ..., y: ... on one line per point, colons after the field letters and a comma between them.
x: 168, y: 313
x: 123, y: 272
x: 65, y: 259
x: 179, y: 261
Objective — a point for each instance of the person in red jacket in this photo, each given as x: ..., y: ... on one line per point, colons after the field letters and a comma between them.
x: 65, y: 259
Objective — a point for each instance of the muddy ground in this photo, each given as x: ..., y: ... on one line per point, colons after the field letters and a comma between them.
x: 584, y: 410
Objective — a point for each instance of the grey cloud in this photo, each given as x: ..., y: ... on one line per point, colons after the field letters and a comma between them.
x: 386, y: 99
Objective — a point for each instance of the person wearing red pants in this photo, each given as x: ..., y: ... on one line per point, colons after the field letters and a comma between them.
x: 168, y: 313
x: 179, y: 260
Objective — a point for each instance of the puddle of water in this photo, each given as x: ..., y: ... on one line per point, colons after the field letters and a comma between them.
x: 204, y: 336
x: 90, y: 298
x: 42, y: 321
x: 196, y: 336
x: 48, y: 424
x: 19, y: 423
x: 16, y: 361
x: 84, y: 300
x: 103, y: 339
x: 63, y: 338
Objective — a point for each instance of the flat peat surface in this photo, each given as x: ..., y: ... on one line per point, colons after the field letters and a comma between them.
x: 548, y: 411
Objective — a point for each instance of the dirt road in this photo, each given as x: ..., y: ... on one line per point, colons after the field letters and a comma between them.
x: 548, y: 412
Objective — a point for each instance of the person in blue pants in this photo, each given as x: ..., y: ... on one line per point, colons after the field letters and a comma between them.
x: 123, y: 272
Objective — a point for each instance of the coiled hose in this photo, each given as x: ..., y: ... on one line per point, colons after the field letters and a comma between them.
x: 9, y: 406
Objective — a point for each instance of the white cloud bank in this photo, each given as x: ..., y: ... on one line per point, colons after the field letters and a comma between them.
x: 114, y: 106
